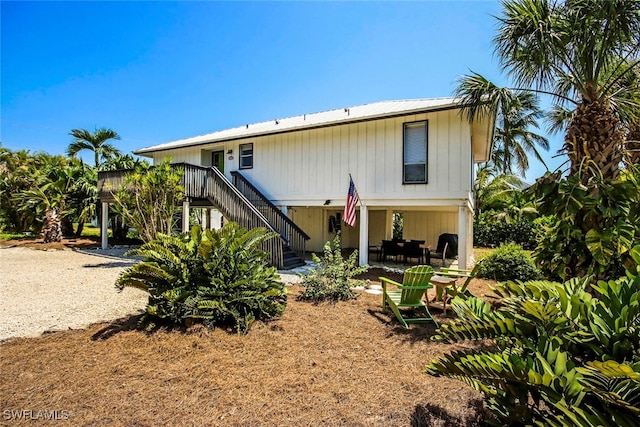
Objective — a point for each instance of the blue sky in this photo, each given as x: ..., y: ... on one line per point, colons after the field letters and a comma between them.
x: 160, y: 71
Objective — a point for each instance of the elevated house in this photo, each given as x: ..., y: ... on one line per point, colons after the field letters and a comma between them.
x: 291, y: 175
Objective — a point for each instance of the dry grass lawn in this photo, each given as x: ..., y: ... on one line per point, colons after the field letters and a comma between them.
x: 330, y: 364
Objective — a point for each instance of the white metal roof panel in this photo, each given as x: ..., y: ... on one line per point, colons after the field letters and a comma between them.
x: 324, y: 118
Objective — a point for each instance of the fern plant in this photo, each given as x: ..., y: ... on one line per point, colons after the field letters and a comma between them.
x: 217, y: 277
x: 562, y: 356
x: 332, y: 279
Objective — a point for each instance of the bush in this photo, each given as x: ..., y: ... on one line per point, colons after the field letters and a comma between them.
x: 332, y: 279
x: 217, y: 277
x: 149, y: 198
x: 508, y: 262
x: 563, y: 355
x: 490, y: 231
x: 593, y: 225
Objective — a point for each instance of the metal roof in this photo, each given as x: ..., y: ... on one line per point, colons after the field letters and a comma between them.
x: 307, y: 121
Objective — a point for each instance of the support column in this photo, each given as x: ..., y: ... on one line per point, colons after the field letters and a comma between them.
x: 204, y: 218
x: 104, y: 233
x: 185, y: 216
x: 388, y: 224
x: 364, y: 236
x: 463, y: 236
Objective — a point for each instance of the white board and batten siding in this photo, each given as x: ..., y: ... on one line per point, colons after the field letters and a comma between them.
x: 303, y: 169
x: 308, y: 167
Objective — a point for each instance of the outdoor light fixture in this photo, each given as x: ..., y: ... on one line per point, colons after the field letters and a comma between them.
x: 229, y: 151
x: 327, y: 202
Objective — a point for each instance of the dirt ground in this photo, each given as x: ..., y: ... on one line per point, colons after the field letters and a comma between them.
x: 65, y: 244
x: 348, y: 363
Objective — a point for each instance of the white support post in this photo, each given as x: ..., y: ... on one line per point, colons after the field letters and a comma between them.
x: 185, y: 216
x: 463, y: 236
x: 364, y: 236
x: 203, y: 218
x: 104, y: 233
x: 388, y: 224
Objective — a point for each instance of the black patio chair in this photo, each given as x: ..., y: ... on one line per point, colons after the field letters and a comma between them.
x: 390, y: 249
x: 412, y: 249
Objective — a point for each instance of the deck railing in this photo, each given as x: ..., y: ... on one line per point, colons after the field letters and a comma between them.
x: 296, y: 237
x: 109, y: 182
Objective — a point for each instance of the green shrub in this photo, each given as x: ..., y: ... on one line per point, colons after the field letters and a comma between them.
x: 593, y: 225
x: 490, y: 230
x: 217, y: 277
x: 563, y: 354
x: 332, y: 279
x: 149, y: 198
x: 508, y: 262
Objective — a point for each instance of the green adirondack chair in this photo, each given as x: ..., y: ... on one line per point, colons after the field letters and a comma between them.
x: 457, y: 273
x: 409, y: 294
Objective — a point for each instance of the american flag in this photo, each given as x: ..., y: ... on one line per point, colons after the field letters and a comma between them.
x: 349, y: 216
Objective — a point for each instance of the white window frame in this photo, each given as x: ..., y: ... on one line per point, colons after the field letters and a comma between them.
x: 246, y: 152
x: 405, y: 126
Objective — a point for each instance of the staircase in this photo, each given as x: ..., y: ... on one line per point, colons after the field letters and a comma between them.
x: 241, y: 202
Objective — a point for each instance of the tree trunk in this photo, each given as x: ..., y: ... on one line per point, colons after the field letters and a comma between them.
x: 67, y: 227
x: 594, y: 141
x: 52, y: 227
x: 632, y: 147
x: 80, y: 228
x: 118, y: 228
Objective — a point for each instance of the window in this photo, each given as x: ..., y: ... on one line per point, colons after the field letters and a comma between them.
x: 246, y: 156
x: 415, y: 153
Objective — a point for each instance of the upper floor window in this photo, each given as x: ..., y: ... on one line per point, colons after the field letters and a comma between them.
x: 415, y: 153
x: 246, y: 156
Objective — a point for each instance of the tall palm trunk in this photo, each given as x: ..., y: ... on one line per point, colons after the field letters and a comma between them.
x: 594, y: 141
x: 52, y: 227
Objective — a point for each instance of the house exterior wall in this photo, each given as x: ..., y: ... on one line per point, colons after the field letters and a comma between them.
x: 302, y: 170
x: 306, y: 168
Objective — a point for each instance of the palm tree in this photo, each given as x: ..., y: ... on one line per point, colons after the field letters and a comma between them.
x: 96, y: 142
x: 46, y: 201
x: 517, y: 112
x: 578, y: 51
x: 494, y: 189
x: 82, y: 193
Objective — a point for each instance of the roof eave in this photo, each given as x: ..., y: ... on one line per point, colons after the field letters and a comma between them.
x: 148, y: 150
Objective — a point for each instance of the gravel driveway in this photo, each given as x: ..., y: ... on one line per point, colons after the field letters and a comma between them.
x: 53, y: 290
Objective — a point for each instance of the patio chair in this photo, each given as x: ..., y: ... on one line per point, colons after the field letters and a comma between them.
x: 440, y: 253
x: 412, y: 249
x: 446, y: 287
x: 409, y: 295
x: 376, y: 250
x: 390, y: 249
x: 458, y: 273
x: 447, y: 247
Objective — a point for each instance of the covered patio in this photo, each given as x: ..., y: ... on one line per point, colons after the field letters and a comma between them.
x: 375, y: 228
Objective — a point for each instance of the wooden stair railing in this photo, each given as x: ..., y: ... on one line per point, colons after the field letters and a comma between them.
x: 249, y: 212
x: 209, y: 183
x: 296, y: 237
